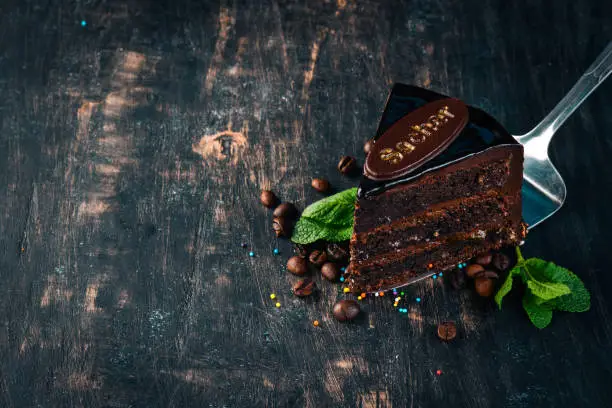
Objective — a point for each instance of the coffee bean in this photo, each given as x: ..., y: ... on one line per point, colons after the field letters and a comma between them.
x: 484, y: 259
x: 297, y: 265
x: 321, y: 185
x: 330, y: 271
x: 473, y: 270
x: 447, y: 331
x: 335, y: 252
x: 304, y: 288
x: 317, y: 258
x: 457, y: 279
x: 501, y: 261
x: 268, y: 198
x: 346, y: 310
x: 346, y: 164
x: 300, y: 250
x: 285, y: 210
x: 281, y: 227
x: 484, y: 286
x: 487, y: 274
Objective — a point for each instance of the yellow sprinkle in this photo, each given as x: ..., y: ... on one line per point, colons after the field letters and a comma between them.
x: 315, y: 323
x: 346, y: 290
x: 277, y: 304
x: 273, y: 296
x: 395, y: 305
x: 359, y: 298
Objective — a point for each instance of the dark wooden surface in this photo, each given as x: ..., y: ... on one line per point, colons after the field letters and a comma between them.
x: 132, y: 152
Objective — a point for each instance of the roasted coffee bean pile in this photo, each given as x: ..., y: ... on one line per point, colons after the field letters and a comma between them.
x: 485, y: 271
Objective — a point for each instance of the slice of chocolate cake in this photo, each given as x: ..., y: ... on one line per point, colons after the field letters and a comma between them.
x: 441, y: 184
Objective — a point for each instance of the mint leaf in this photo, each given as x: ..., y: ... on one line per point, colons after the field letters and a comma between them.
x: 547, y: 290
x: 336, y: 209
x: 328, y: 219
x: 577, y: 301
x: 506, y: 287
x: 539, y: 314
x: 550, y: 287
x: 542, y: 279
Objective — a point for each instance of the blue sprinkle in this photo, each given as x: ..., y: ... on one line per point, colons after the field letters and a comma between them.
x: 434, y: 277
x: 276, y: 252
x: 418, y: 300
x: 460, y: 266
x: 440, y: 274
x: 342, y: 279
x: 343, y: 269
x: 83, y: 23
x: 251, y: 254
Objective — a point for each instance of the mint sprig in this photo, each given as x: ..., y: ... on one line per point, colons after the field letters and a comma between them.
x: 329, y: 219
x: 549, y: 288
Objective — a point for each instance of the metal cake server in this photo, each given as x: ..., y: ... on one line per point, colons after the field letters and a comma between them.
x: 543, y: 188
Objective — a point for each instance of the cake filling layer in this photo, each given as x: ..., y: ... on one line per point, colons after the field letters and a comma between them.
x: 412, y: 198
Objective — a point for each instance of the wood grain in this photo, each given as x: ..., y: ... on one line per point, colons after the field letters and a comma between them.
x: 132, y: 152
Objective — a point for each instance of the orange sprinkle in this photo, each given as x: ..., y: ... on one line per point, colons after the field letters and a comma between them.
x: 381, y: 294
x: 315, y: 323
x: 363, y: 295
x: 430, y: 266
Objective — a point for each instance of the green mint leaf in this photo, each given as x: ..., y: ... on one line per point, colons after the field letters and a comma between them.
x: 506, y: 287
x: 336, y: 209
x: 328, y: 219
x: 579, y: 300
x: 547, y: 290
x: 539, y: 314
x: 543, y: 279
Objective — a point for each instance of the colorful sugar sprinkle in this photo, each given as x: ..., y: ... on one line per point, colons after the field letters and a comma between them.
x: 418, y: 300
x: 438, y: 372
x: 315, y: 323
x: 272, y: 296
x: 276, y: 251
x: 434, y: 277
x: 277, y: 304
x: 342, y: 279
x: 83, y: 23
x: 346, y: 290
x: 251, y: 254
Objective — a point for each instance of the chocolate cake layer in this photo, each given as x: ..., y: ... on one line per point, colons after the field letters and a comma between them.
x: 482, y: 212
x: 393, y: 271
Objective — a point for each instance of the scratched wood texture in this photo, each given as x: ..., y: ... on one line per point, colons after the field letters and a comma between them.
x: 132, y: 152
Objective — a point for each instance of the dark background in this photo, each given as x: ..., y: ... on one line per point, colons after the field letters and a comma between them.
x: 132, y: 152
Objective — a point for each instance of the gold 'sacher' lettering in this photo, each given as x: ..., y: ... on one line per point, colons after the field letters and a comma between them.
x: 417, y: 134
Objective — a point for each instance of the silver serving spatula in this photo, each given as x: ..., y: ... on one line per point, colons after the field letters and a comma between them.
x: 543, y: 188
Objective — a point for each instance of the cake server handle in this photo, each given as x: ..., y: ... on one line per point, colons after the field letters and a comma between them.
x: 588, y: 82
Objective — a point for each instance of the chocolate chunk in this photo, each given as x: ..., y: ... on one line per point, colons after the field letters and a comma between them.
x: 300, y: 250
x: 346, y: 310
x: 457, y: 279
